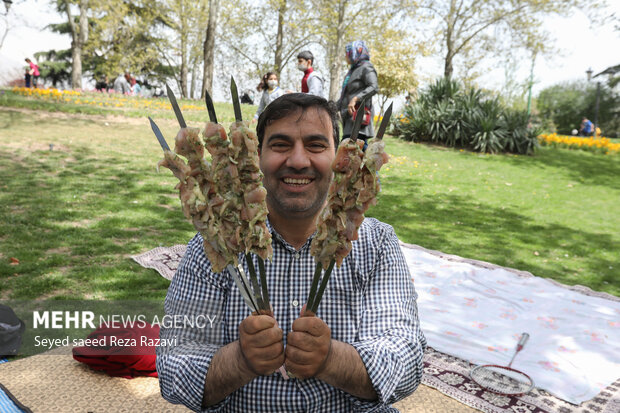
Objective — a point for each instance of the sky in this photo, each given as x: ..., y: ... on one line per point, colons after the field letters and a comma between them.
x: 581, y: 47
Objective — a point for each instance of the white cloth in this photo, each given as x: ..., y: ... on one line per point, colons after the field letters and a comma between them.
x: 479, y: 313
x: 315, y: 84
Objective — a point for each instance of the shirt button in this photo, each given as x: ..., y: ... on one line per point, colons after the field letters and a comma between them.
x: 296, y: 255
x: 295, y: 303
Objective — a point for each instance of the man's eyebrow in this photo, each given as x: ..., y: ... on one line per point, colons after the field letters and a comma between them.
x: 316, y: 137
x: 279, y: 136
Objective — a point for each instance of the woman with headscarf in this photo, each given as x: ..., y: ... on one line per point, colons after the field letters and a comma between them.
x: 271, y: 91
x: 359, y: 83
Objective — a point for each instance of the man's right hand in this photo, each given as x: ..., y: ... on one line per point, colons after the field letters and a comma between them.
x: 261, y: 344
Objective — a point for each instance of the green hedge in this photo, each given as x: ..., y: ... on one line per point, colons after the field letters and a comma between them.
x: 447, y: 114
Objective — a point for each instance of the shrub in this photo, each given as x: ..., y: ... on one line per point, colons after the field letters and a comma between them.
x: 449, y: 115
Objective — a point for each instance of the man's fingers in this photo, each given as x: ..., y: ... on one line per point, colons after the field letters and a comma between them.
x: 254, y: 324
x: 265, y: 338
x: 299, y: 356
x: 311, y: 325
x: 303, y: 341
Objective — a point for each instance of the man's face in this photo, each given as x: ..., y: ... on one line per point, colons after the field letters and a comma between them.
x: 296, y: 158
x: 303, y: 62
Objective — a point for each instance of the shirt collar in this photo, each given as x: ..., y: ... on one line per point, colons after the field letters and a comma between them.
x: 275, y: 235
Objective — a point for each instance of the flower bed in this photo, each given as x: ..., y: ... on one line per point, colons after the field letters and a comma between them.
x: 101, y: 99
x: 600, y: 145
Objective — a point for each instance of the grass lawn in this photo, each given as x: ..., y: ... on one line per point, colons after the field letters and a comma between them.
x: 73, y: 215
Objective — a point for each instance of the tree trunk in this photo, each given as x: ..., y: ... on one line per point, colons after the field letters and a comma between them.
x: 209, y: 49
x: 79, y: 36
x: 184, y: 58
x: 447, y: 68
x: 192, y: 88
x: 184, y: 69
x: 277, y: 63
x: 336, y: 54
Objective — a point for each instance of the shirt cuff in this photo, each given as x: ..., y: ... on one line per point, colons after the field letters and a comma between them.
x: 386, y: 372
x: 182, y: 377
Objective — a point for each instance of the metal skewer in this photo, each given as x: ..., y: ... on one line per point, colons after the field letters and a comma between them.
x: 359, y: 116
x: 159, y: 136
x: 175, y: 107
x: 385, y: 122
x: 324, y: 281
x: 210, y: 107
x: 235, y: 99
x: 237, y: 277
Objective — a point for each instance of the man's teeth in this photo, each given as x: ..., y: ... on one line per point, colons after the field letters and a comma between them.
x: 296, y: 181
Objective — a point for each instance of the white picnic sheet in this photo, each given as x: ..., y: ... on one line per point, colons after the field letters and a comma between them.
x: 478, y: 314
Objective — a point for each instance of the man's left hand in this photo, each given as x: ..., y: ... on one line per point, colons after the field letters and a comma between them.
x: 307, y: 347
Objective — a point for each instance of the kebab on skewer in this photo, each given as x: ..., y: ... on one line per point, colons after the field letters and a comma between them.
x: 354, y: 188
x: 224, y: 199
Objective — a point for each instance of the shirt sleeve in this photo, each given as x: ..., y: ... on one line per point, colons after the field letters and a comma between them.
x: 371, y: 84
x: 262, y: 104
x: 315, y: 86
x: 193, y: 324
x: 391, y: 343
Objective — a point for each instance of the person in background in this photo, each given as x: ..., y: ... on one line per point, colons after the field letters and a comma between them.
x: 121, y: 84
x: 102, y: 84
x: 271, y: 91
x: 312, y: 82
x: 135, y: 86
x: 27, y: 78
x: 359, y: 83
x: 586, y: 127
x: 34, y: 72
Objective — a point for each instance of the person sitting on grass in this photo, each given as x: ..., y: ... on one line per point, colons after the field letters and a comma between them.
x: 363, y: 349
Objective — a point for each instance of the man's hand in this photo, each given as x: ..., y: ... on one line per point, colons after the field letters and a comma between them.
x: 351, y: 105
x: 308, y: 346
x: 261, y: 344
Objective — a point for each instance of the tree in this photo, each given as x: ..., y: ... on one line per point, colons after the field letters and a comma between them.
x: 566, y: 103
x: 394, y: 64
x: 79, y: 36
x: 55, y: 66
x: 279, y: 30
x: 123, y: 37
x: 209, y: 48
x: 340, y: 21
x: 471, y: 28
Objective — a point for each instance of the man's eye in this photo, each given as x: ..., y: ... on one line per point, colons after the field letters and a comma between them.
x: 316, y: 147
x: 279, y: 145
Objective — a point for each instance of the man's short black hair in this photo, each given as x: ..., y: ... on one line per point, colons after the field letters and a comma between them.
x: 306, y: 54
x: 292, y: 102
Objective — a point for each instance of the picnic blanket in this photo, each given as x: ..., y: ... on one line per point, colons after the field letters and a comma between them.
x: 476, y: 311
x: 54, y: 382
x: 478, y: 314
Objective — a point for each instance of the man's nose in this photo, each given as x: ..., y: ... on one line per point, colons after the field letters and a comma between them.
x: 298, y: 158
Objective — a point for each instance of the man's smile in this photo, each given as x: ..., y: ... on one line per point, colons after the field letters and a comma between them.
x: 297, y: 181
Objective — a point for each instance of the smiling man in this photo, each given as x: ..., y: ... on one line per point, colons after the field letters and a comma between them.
x: 362, y: 351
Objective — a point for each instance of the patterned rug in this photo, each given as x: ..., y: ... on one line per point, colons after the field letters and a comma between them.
x: 448, y: 374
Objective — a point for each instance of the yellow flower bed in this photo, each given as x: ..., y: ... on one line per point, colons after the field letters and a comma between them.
x: 45, y: 93
x: 101, y: 99
x: 601, y: 144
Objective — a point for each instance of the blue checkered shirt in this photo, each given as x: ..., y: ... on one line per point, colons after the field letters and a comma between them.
x: 370, y: 303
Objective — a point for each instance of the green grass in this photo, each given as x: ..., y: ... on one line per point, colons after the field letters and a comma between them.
x: 74, y: 215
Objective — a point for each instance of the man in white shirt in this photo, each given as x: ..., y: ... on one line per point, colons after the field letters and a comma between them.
x: 312, y: 82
